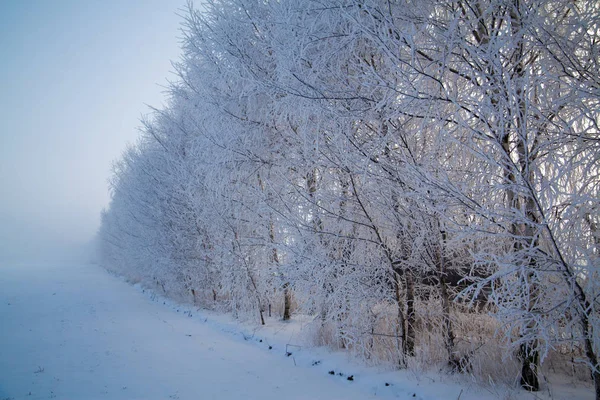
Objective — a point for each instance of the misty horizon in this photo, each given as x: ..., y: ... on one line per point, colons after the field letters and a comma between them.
x: 76, y: 78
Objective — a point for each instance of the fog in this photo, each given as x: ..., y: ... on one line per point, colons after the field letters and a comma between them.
x: 75, y: 78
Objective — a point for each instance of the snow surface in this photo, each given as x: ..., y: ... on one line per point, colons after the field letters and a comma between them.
x: 73, y: 331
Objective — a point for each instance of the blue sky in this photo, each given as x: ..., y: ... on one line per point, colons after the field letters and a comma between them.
x: 74, y: 80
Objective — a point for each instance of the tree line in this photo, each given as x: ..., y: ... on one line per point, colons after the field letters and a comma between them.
x: 421, y: 177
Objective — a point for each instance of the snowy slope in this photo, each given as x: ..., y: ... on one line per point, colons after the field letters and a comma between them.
x: 76, y: 332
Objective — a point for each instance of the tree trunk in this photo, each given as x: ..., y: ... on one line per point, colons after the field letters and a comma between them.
x: 287, y: 301
x: 409, y: 343
x: 529, y: 367
x: 400, y: 331
x: 194, y: 297
x: 448, y: 331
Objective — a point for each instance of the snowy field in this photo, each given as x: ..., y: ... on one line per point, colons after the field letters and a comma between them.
x: 76, y: 332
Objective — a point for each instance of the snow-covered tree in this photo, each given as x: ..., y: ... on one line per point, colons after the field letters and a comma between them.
x: 381, y: 165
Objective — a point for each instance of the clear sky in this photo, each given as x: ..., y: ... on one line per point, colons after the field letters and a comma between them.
x: 74, y: 80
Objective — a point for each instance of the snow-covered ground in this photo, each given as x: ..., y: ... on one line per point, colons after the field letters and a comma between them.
x: 72, y: 331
